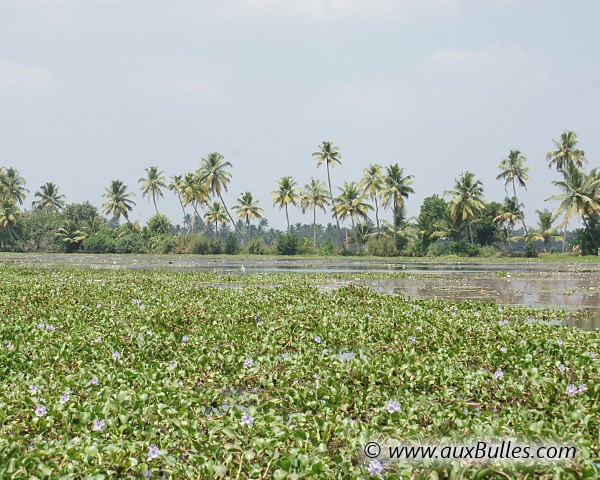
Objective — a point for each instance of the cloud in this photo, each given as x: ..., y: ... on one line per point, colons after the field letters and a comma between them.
x: 496, y: 65
x: 370, y: 96
x: 19, y: 76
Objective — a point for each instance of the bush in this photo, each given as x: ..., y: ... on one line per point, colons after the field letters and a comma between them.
x: 215, y: 247
x: 231, y: 245
x: 326, y: 248
x: 101, y: 242
x: 382, y: 247
x: 287, y: 244
x: 197, y: 244
x: 306, y: 247
x: 158, y: 225
x: 162, y: 244
x: 257, y: 247
x: 488, y: 252
x: 130, y: 243
x: 530, y: 250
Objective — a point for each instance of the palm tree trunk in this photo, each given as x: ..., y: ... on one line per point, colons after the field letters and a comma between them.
x: 376, y: 212
x: 471, y: 230
x: 334, y: 212
x: 517, y: 202
x: 231, y: 218
x: 287, y: 218
x: 564, y: 246
x: 354, y: 231
x: 314, y: 227
x: 155, y: 207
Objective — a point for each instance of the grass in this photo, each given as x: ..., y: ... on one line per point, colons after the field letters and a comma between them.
x: 155, y: 373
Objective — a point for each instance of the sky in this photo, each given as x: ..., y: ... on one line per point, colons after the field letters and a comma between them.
x: 97, y: 90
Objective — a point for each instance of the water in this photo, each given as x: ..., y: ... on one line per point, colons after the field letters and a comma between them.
x: 575, y: 287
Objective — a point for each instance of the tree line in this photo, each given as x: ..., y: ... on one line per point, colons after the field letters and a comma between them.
x: 460, y: 221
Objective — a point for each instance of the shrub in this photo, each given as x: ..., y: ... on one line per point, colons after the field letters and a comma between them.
x: 381, y: 246
x: 287, y: 244
x: 215, y: 247
x: 101, y: 242
x: 326, y: 248
x: 197, y: 244
x: 530, y: 250
x: 306, y: 247
x: 158, y: 225
x: 162, y: 244
x: 231, y: 245
x: 130, y: 243
x: 256, y: 247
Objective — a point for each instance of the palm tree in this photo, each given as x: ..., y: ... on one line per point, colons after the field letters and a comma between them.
x: 508, y: 216
x: 71, y: 235
x: 314, y: 196
x: 49, y: 198
x: 467, y: 201
x: 330, y: 154
x: 285, y: 193
x: 176, y: 186
x: 8, y: 218
x: 193, y: 193
x: 581, y: 196
x: 215, y: 177
x: 372, y: 184
x: 396, y: 188
x: 118, y: 200
x: 362, y: 233
x: 514, y: 171
x: 216, y: 213
x: 152, y: 184
x: 351, y: 202
x: 545, y: 231
x: 566, y: 153
x: 12, y: 186
x: 247, y: 208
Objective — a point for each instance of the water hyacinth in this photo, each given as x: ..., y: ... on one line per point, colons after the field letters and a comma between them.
x: 116, y: 355
x: 317, y: 339
x: 64, y: 398
x: 499, y: 374
x: 94, y: 381
x: 41, y: 411
x: 33, y: 389
x: 9, y: 345
x: 98, y: 426
x: 393, y: 406
x: 582, y: 388
x: 561, y: 367
x: 247, y: 420
x: 248, y: 363
x: 412, y: 339
x: 571, y: 390
x: 153, y: 452
x: 375, y: 468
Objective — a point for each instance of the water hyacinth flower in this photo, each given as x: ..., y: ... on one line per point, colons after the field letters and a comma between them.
x: 561, y: 367
x: 393, y: 406
x: 34, y: 389
x: 185, y: 339
x: 94, y: 381
x: 248, y: 363
x: 64, y: 398
x: 582, y: 388
x: 99, y: 425
x: 412, y: 339
x: 571, y: 390
x: 247, y: 420
x: 51, y: 328
x: 173, y: 366
x: 318, y: 339
x: 503, y: 322
x: 503, y: 349
x: 41, y: 325
x: 559, y: 342
x: 153, y: 452
x: 147, y: 473
x: 41, y: 411
x: 149, y: 333
x: 116, y: 355
x: 499, y: 374
x: 419, y: 328
x: 375, y: 468
x: 9, y: 345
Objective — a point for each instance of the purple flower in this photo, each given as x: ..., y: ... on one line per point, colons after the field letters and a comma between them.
x: 116, y: 355
x: 247, y: 420
x: 503, y: 322
x: 52, y: 328
x: 476, y: 314
x: 582, y: 388
x: 65, y: 398
x: 503, y: 349
x: 559, y: 342
x: 571, y: 390
x: 94, y: 381
x: 419, y: 328
x: 561, y: 367
x: 393, y: 406
x: 99, y: 425
x: 318, y: 339
x: 99, y: 305
x: 248, y: 363
x: 412, y: 339
x: 33, y: 389
x: 153, y: 452
x: 41, y: 325
x: 185, y: 338
x: 375, y: 468
x: 499, y: 374
x: 9, y: 345
x: 173, y: 366
x: 149, y: 333
x: 147, y: 473
x: 40, y: 411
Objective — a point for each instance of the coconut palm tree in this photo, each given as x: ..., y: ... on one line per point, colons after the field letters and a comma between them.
x: 514, y: 171
x: 12, y: 186
x: 372, y: 184
x: 118, y: 201
x: 71, y: 235
x: 395, y: 189
x: 330, y: 154
x: 8, y: 219
x: 363, y: 231
x: 247, y: 208
x: 50, y: 200
x: 545, y: 232
x: 214, y: 175
x: 581, y: 196
x: 176, y: 185
x: 152, y: 184
x: 195, y: 193
x: 508, y: 216
x: 351, y: 202
x: 314, y: 196
x: 566, y: 153
x: 286, y: 193
x: 467, y: 199
x: 215, y: 214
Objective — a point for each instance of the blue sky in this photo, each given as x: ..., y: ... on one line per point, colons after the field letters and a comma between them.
x: 96, y: 90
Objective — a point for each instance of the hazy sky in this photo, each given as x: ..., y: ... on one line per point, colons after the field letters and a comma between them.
x: 96, y: 90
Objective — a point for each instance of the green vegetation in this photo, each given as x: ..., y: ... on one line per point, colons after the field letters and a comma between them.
x: 464, y: 223
x: 118, y: 374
